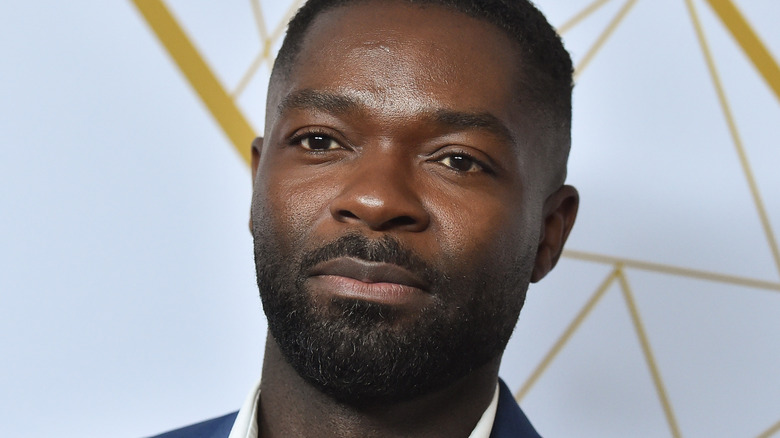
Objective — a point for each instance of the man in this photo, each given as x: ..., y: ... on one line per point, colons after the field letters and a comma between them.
x: 409, y: 186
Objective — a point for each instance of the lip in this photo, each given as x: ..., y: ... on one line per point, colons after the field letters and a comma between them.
x: 384, y: 283
x: 369, y: 272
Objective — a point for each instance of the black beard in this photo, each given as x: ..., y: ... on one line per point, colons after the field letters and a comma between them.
x: 352, y: 351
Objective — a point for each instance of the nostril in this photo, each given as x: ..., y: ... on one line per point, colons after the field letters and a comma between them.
x: 347, y: 214
x: 402, y: 213
x: 400, y: 221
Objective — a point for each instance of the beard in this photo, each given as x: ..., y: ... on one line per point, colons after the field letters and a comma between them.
x: 364, y: 353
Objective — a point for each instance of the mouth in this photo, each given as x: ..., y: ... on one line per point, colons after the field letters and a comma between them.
x: 369, y: 272
x: 383, y: 283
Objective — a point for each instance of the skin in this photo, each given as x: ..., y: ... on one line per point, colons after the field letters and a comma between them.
x: 393, y: 124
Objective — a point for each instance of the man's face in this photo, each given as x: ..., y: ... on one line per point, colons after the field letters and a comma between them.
x: 397, y: 203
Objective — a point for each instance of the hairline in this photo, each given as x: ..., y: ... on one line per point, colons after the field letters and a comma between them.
x: 552, y: 119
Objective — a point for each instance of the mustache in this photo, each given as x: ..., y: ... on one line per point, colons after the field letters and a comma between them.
x: 384, y: 250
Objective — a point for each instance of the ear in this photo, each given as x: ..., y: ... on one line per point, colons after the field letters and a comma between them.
x: 560, y: 210
x: 257, y: 147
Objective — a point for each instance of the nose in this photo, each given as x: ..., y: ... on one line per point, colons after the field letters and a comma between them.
x: 381, y: 196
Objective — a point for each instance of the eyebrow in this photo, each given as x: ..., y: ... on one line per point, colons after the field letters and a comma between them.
x: 462, y: 120
x: 337, y: 104
x: 317, y: 100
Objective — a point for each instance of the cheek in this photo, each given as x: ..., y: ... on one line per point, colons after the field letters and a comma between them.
x: 292, y: 205
x: 495, y: 234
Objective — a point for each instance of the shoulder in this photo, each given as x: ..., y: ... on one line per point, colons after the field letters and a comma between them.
x: 215, y: 428
x: 510, y: 420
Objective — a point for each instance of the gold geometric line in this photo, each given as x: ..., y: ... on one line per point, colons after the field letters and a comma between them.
x: 283, y: 23
x: 249, y: 74
x: 257, y: 11
x: 267, y: 55
x: 567, y: 334
x: 751, y: 44
x: 649, y: 358
x: 758, y: 202
x: 583, y: 14
x: 771, y: 431
x: 603, y: 37
x: 199, y: 75
x: 277, y: 33
x: 672, y: 270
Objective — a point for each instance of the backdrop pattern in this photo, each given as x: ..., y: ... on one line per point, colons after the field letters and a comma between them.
x: 224, y: 102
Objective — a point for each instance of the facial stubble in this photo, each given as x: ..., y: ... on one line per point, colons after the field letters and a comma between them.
x: 363, y: 353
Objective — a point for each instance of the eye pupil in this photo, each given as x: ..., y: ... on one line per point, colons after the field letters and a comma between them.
x: 319, y: 142
x: 460, y: 162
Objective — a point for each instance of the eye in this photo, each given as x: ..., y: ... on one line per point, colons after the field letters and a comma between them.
x: 462, y: 163
x: 318, y: 142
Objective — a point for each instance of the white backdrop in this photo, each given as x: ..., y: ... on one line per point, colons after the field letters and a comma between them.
x: 127, y: 296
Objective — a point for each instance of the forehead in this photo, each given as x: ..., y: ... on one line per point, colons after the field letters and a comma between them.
x: 399, y: 57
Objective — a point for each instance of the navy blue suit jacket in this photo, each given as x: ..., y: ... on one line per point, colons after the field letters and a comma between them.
x: 510, y: 422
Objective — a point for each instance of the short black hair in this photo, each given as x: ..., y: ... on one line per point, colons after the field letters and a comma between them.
x: 546, y: 65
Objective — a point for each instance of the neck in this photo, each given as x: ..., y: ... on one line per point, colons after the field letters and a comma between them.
x: 289, y: 406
